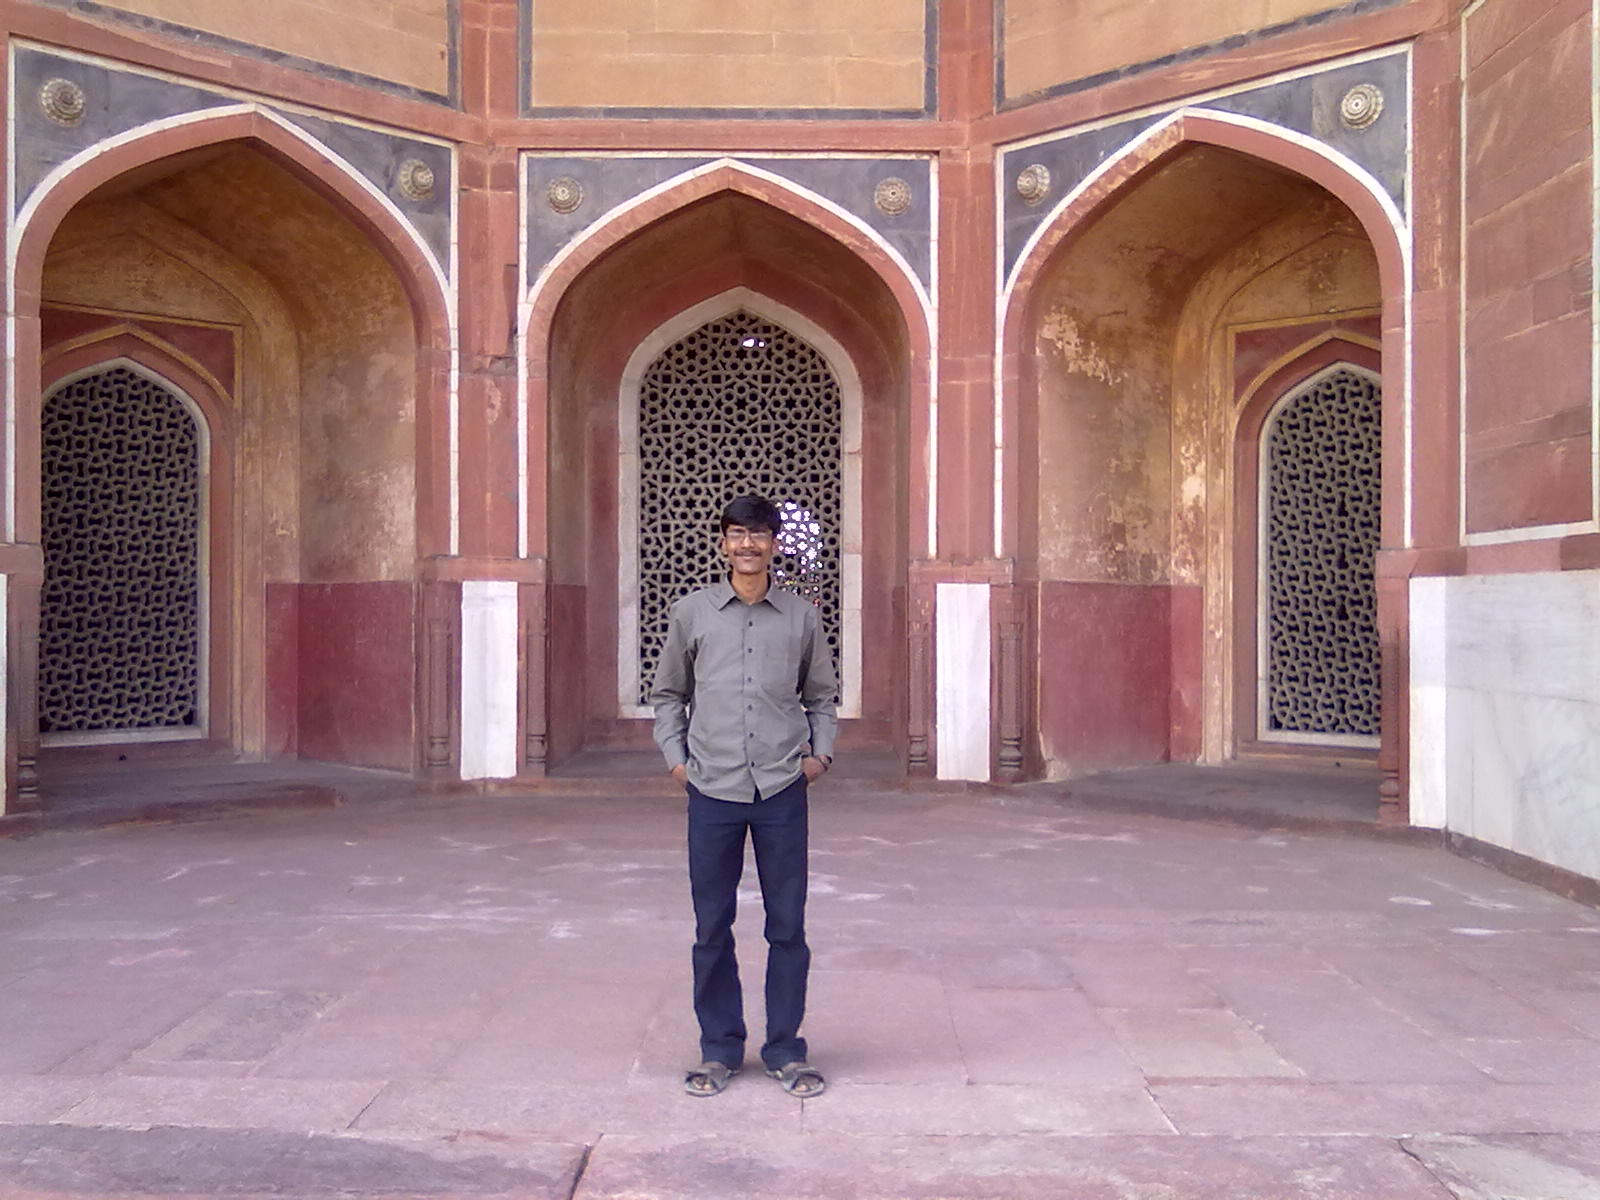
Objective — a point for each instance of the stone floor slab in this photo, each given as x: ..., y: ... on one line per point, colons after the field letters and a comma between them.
x: 223, y: 1103
x: 1527, y: 1167
x: 840, y: 1167
x: 29, y: 1099
x: 1016, y: 1036
x: 579, y: 1113
x: 1195, y: 1043
x: 1378, y: 1110
x: 945, y: 1110
x: 51, y: 1161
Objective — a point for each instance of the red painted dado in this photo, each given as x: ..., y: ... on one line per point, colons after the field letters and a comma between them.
x: 1106, y: 682
x: 282, y: 670
x: 357, y: 673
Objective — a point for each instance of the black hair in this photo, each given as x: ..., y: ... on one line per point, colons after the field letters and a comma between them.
x: 752, y: 512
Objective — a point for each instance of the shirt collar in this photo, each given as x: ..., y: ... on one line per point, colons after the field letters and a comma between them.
x: 722, y: 593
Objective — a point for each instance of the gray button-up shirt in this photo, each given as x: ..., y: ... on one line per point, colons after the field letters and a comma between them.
x: 742, y: 689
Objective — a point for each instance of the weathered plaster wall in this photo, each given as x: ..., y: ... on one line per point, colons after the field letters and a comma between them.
x: 1529, y: 294
x: 678, y: 54
x: 357, y: 353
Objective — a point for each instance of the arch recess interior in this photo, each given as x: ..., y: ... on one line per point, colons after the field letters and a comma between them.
x: 543, y: 297
x: 1346, y: 179
x: 844, y: 370
x: 425, y: 280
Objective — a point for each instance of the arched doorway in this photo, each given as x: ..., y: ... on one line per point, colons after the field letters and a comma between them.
x: 737, y: 395
x: 1140, y: 333
x: 222, y: 264
x: 667, y: 297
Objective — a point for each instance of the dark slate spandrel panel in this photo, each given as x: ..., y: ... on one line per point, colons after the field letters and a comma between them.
x: 606, y: 183
x: 610, y: 181
x: 851, y: 182
x: 1070, y: 160
x: 114, y: 102
x: 377, y: 157
x: 1310, y: 105
x: 1307, y: 105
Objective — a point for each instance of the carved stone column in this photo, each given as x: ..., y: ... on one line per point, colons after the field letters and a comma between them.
x: 1007, y: 616
x: 439, y: 661
x: 22, y: 700
x: 919, y: 708
x: 533, y: 638
x: 1394, y: 669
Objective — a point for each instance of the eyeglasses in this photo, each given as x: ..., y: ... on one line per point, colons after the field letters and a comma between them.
x: 756, y: 537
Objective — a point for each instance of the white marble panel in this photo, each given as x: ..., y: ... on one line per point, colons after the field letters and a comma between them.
x: 488, y: 679
x: 1429, y: 694
x: 961, y: 641
x: 1534, y: 634
x: 1517, y: 698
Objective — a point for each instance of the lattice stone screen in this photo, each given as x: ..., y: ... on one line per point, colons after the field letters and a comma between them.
x: 1321, y: 503
x: 738, y: 406
x: 119, y: 639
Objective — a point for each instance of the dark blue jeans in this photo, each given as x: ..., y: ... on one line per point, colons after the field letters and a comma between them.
x: 777, y: 827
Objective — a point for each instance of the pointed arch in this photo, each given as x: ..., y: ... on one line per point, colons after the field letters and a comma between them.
x: 423, y: 279
x: 1377, y: 213
x: 1389, y: 235
x: 543, y: 300
x: 670, y: 331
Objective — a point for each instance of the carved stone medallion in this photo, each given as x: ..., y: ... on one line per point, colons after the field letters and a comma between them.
x: 416, y: 179
x: 1361, y: 106
x: 1033, y: 183
x: 892, y: 196
x: 63, y: 101
x: 565, y: 194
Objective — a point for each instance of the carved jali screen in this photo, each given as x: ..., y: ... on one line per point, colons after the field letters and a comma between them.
x: 1322, y: 499
x: 740, y: 406
x: 119, y: 638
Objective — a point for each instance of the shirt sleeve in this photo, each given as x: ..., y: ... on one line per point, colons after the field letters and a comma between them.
x: 819, y: 687
x: 672, y: 691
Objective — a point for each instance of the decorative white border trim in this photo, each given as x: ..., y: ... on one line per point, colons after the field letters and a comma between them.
x: 18, y: 227
x: 1005, y: 282
x: 1528, y: 533
x: 202, y: 568
x: 850, y: 454
x: 926, y: 294
x: 1262, y: 733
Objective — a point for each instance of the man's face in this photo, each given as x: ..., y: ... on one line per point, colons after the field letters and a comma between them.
x: 749, y: 551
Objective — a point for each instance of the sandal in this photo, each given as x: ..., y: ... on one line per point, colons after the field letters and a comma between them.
x: 708, y: 1079
x: 800, y: 1079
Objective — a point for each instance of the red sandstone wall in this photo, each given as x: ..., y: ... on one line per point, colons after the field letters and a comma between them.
x: 1529, y: 229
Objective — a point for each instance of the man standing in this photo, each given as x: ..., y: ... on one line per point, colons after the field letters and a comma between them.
x: 745, y: 716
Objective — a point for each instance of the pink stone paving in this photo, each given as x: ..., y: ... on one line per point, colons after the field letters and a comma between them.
x: 1011, y: 998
